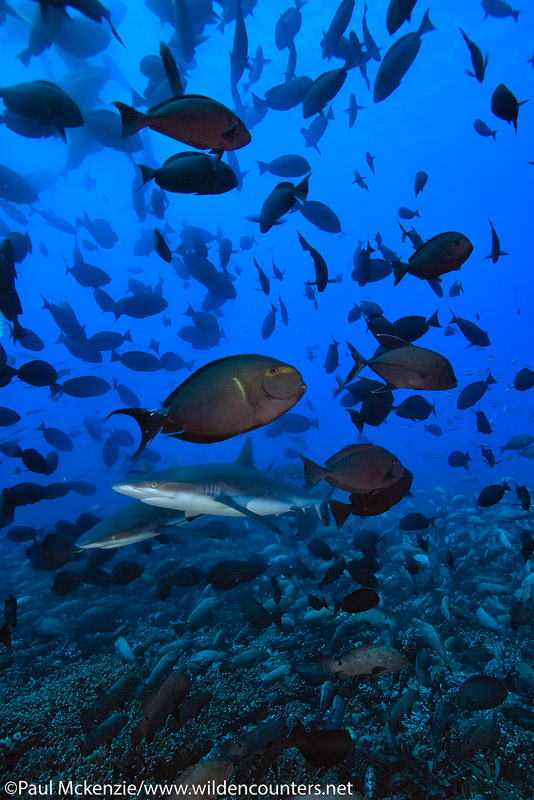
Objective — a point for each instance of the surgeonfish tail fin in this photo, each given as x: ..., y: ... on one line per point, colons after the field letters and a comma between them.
x: 17, y: 331
x: 357, y: 419
x: 359, y: 363
x: 147, y: 173
x: 132, y: 120
x: 301, y: 189
x: 340, y: 512
x: 399, y: 270
x: 426, y: 26
x: 313, y: 473
x: 150, y: 423
x: 433, y: 321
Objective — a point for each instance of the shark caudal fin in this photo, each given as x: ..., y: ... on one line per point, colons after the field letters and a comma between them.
x: 150, y: 423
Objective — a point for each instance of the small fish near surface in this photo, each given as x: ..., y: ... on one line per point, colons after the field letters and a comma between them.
x: 398, y: 60
x: 505, y: 105
x: 399, y: 11
x: 281, y: 200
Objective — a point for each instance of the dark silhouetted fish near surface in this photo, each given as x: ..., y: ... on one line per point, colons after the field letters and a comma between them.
x: 398, y: 60
x: 44, y: 102
x: 478, y: 61
x: 441, y: 254
x: 499, y: 9
x: 399, y: 11
x: 191, y: 173
x: 505, y: 105
x: 192, y: 119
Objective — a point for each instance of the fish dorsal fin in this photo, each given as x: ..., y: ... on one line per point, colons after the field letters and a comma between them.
x: 284, y: 185
x: 245, y: 457
x: 180, y: 97
x: 390, y: 342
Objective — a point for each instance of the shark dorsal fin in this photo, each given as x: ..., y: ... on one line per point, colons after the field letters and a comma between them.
x: 245, y: 457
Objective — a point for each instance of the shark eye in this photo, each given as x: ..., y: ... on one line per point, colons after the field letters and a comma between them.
x: 154, y: 485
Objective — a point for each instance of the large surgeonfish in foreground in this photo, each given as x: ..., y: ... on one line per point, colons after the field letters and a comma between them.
x: 228, y: 396
x: 236, y: 489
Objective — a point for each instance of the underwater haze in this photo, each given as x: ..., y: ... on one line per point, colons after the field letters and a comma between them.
x: 266, y: 379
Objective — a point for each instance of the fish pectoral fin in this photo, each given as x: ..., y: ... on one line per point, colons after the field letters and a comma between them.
x: 226, y: 500
x: 387, y: 387
x: 176, y: 527
x: 249, y: 393
x: 191, y: 517
x: 228, y: 133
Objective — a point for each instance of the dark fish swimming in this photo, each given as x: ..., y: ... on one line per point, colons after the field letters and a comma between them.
x: 399, y: 11
x: 44, y: 102
x: 505, y: 105
x: 191, y: 173
x: 478, y: 61
x: 499, y: 9
x: 359, y: 469
x: 279, y: 202
x: 483, y: 129
x: 290, y: 166
x: 331, y: 616
x: 406, y: 366
x: 440, y: 254
x: 226, y: 397
x: 196, y: 120
x: 398, y: 60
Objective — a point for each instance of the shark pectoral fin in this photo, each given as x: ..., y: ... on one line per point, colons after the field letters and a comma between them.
x: 176, y: 527
x: 252, y: 396
x: 226, y: 500
x: 191, y: 517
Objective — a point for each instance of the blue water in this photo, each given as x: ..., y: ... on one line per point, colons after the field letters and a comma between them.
x: 425, y: 124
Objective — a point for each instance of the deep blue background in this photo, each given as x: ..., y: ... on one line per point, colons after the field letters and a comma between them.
x: 427, y: 124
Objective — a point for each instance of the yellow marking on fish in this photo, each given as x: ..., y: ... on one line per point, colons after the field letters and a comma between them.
x: 240, y: 386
